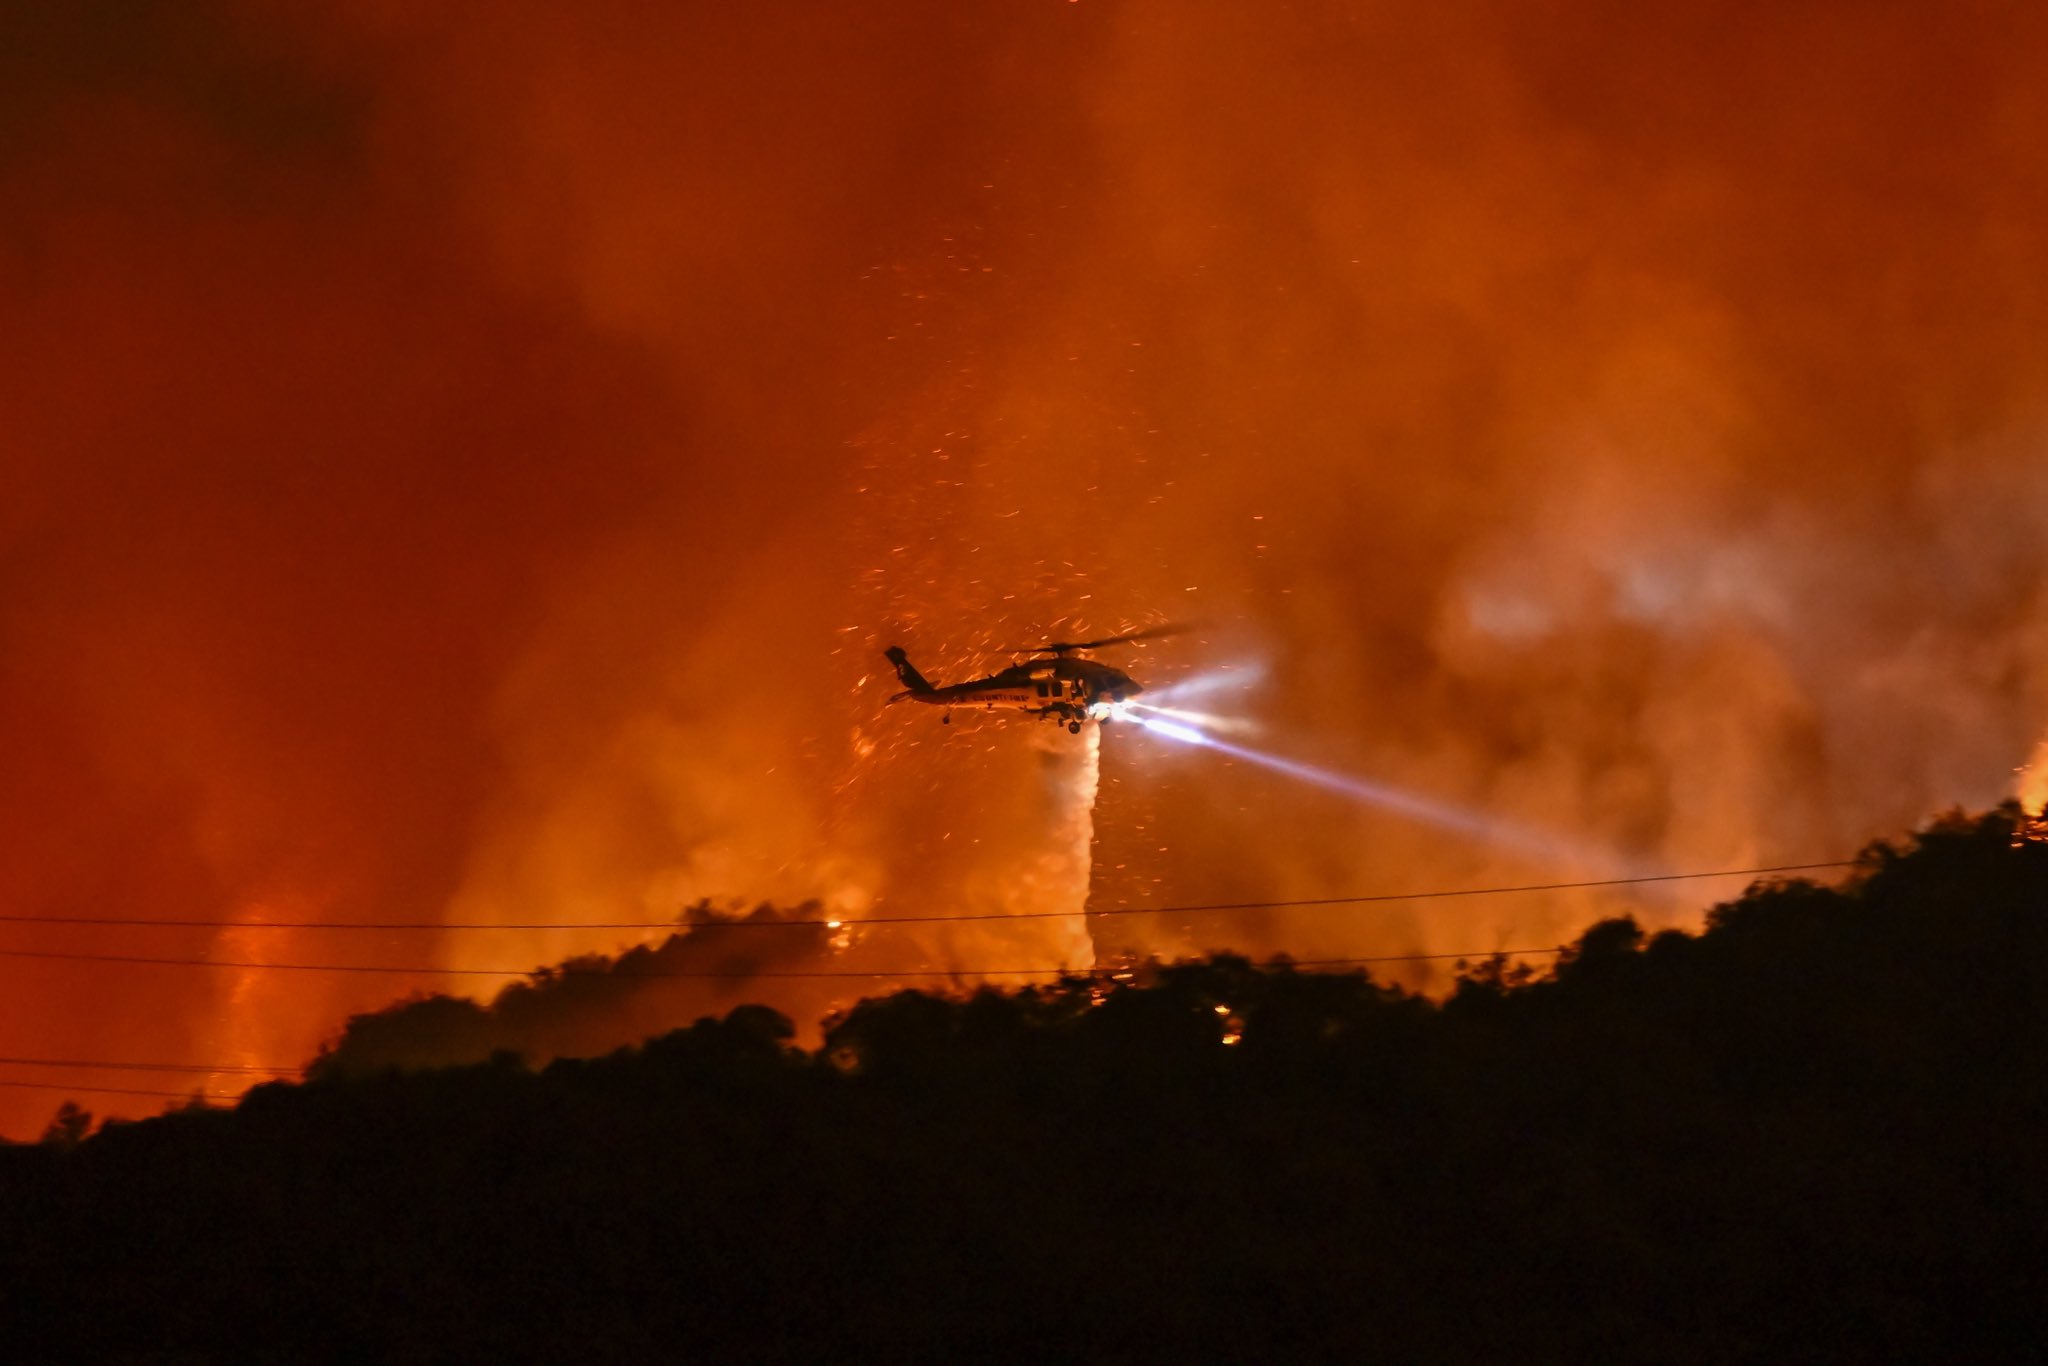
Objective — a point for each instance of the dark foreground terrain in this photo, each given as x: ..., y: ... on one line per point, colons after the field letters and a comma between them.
x: 1815, y: 1130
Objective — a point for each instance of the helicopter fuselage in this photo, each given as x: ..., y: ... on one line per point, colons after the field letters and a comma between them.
x: 1064, y: 688
x: 1038, y: 687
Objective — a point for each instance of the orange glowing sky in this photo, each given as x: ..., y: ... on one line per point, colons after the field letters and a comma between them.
x: 461, y: 462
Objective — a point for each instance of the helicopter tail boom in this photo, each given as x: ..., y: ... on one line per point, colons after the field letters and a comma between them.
x: 914, y: 682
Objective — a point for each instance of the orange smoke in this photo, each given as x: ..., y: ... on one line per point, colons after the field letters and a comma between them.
x: 462, y: 463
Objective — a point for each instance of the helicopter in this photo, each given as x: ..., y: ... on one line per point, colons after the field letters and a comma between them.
x: 1062, y: 687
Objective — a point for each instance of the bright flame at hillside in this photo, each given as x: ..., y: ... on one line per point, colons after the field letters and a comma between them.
x: 2032, y: 786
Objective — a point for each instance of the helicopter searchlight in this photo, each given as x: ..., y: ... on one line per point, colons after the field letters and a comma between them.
x: 1064, y: 686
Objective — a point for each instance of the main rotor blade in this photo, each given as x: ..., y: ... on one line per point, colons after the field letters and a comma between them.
x: 1060, y: 647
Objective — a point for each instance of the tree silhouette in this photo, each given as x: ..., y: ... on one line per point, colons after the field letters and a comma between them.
x: 68, y: 1127
x: 1815, y: 1129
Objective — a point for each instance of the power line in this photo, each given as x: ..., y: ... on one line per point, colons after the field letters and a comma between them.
x: 274, y: 967
x: 730, y: 975
x: 116, y: 1090
x: 1460, y: 891
x: 844, y: 921
x: 285, y: 1073
x: 237, y: 1068
x: 246, y: 1069
x: 870, y: 975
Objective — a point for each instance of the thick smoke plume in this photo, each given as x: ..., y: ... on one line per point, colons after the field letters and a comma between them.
x: 462, y: 462
x: 589, y: 1004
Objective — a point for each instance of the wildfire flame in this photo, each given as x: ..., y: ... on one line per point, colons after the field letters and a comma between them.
x: 463, y: 472
x: 2031, y: 788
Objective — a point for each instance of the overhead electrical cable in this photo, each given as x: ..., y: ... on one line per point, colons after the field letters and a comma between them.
x: 258, y: 1073
x: 224, y: 1067
x: 839, y: 922
x: 727, y: 975
x: 116, y: 1090
x: 253, y: 1070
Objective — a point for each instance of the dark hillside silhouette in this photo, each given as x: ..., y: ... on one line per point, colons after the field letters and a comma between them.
x: 1818, y: 1129
x: 587, y: 1005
